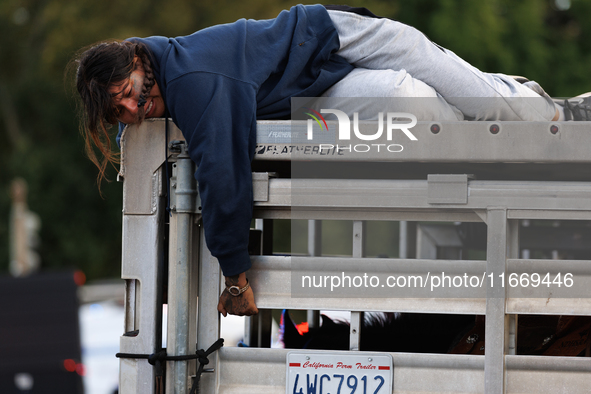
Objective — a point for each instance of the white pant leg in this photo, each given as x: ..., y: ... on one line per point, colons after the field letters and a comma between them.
x: 368, y: 92
x: 385, y: 44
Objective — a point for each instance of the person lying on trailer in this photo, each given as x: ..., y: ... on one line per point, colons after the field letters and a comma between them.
x: 217, y: 82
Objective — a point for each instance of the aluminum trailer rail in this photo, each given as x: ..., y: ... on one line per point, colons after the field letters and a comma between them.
x: 533, y: 171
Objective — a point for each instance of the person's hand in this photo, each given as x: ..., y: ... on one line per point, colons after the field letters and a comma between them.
x: 242, y: 305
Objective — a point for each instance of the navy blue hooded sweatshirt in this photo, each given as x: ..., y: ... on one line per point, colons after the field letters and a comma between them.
x: 217, y: 82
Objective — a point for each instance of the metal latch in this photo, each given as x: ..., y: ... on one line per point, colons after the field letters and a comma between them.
x: 260, y: 186
x: 447, y: 188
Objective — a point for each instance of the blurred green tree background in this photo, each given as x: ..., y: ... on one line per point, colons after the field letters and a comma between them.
x: 546, y: 40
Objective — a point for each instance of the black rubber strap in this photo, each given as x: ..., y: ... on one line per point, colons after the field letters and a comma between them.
x: 157, y: 358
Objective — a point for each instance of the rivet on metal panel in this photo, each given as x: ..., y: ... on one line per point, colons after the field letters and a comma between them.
x: 494, y: 128
x: 435, y: 128
x: 554, y: 129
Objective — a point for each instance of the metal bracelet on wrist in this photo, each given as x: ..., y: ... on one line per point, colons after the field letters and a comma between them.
x: 236, y: 291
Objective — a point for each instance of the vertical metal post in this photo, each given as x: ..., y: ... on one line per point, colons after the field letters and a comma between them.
x: 403, y: 240
x: 265, y: 318
x: 257, y: 329
x: 314, y: 249
x: 259, y: 225
x: 251, y: 324
x: 313, y: 318
x: 407, y: 240
x: 512, y: 253
x: 143, y: 257
x: 208, y: 326
x: 183, y: 190
x: 355, y: 334
x: 194, y: 291
x: 357, y: 317
x: 358, y: 239
x: 496, y: 257
x: 315, y: 237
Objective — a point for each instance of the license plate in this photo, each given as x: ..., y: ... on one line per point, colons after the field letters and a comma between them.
x: 338, y: 373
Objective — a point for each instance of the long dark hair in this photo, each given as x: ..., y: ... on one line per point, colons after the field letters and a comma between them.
x: 97, y: 68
